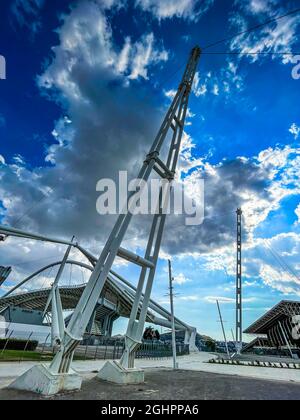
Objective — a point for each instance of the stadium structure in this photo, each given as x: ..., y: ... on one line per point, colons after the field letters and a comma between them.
x: 277, y: 331
x: 116, y: 300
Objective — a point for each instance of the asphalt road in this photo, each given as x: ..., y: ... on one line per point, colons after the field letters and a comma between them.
x: 178, y: 385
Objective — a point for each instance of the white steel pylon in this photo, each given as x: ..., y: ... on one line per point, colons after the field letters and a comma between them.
x: 174, y: 122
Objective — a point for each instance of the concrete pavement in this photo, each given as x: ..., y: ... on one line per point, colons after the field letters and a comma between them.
x: 181, y: 385
x: 194, y: 362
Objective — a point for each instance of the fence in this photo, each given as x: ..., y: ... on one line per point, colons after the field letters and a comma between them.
x: 103, y: 349
x: 109, y: 349
x: 157, y: 350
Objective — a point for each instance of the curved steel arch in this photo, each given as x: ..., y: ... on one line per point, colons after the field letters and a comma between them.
x: 70, y: 262
x: 153, y: 305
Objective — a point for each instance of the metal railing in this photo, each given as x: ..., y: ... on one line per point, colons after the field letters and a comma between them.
x: 157, y: 350
x: 103, y: 348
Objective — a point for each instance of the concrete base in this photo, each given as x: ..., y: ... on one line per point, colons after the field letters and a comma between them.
x: 114, y: 372
x: 41, y: 381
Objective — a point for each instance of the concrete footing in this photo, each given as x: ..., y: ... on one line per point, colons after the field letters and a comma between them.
x: 41, y: 381
x: 114, y: 372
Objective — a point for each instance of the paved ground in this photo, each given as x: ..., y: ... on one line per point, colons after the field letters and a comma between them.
x: 177, y: 385
x: 196, y: 379
x: 194, y: 362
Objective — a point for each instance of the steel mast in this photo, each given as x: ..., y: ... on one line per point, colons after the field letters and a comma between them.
x: 239, y: 315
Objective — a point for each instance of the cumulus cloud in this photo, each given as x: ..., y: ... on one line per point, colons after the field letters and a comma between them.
x: 272, y: 263
x: 105, y: 127
x: 258, y: 185
x: 87, y: 49
x: 186, y: 9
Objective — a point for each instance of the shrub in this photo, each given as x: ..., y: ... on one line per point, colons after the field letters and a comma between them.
x: 14, y: 344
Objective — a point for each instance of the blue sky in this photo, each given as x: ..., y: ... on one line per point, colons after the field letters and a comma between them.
x: 88, y: 83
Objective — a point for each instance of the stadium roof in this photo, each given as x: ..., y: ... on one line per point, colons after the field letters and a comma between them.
x: 266, y: 322
x: 116, y: 297
x: 258, y: 342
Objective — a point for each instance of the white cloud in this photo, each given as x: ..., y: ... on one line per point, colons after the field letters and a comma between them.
x: 226, y: 300
x: 297, y: 212
x: 277, y: 37
x: 191, y: 298
x: 214, y: 299
x: 144, y: 55
x: 19, y: 160
x: 295, y: 130
x: 280, y: 280
x: 2, y: 160
x: 181, y: 279
x: 186, y: 9
x: 199, y: 88
x: 124, y: 56
x: 216, y: 90
x: 86, y: 44
x: 170, y: 94
x: 273, y: 263
x: 260, y: 6
x: 63, y: 135
x: 225, y: 82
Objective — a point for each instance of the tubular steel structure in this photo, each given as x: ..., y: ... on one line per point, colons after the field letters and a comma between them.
x: 69, y: 337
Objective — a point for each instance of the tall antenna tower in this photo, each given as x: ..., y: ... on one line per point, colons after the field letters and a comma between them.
x: 123, y: 372
x: 239, y: 315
